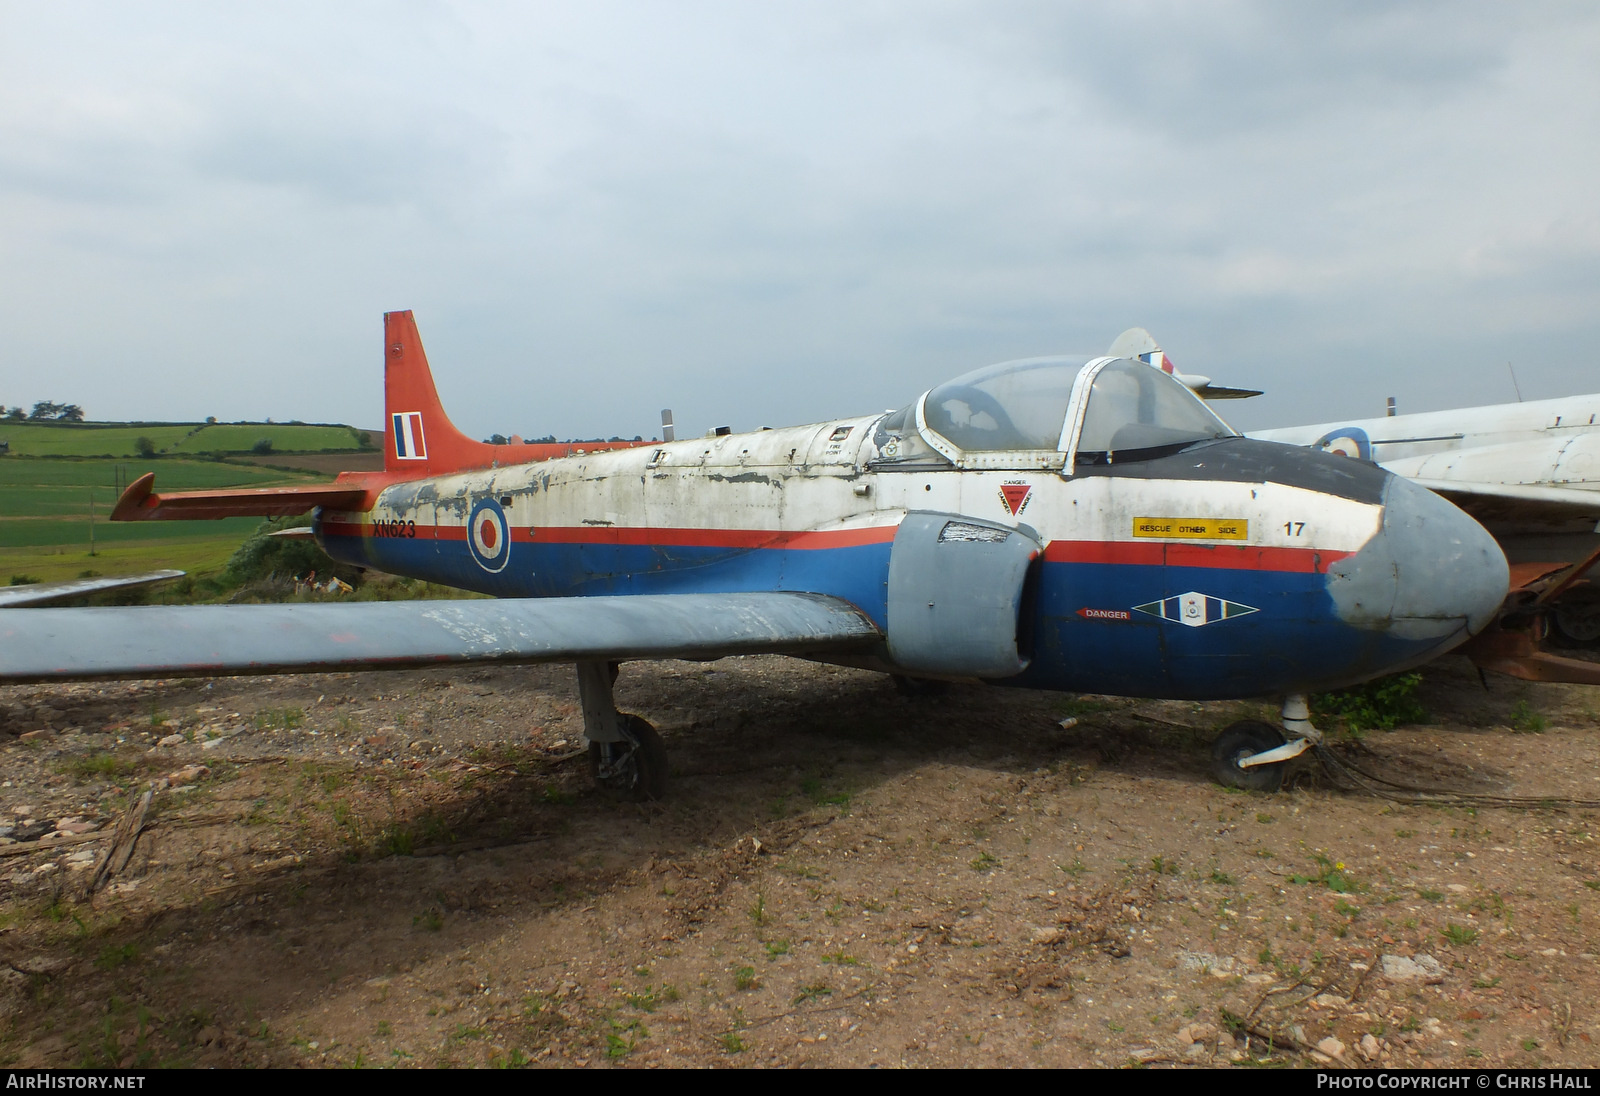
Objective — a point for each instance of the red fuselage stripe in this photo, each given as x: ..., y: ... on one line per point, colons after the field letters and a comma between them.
x: 1238, y: 557
x: 1235, y: 557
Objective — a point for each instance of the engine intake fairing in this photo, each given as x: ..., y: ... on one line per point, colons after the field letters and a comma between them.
x: 955, y: 595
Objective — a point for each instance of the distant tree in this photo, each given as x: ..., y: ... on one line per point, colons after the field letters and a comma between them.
x: 497, y: 439
x: 49, y: 411
x: 211, y: 419
x: 16, y: 413
x: 262, y: 447
x: 144, y: 447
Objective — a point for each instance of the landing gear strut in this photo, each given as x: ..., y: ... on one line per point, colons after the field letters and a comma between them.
x: 1253, y: 755
x: 920, y: 688
x: 626, y: 755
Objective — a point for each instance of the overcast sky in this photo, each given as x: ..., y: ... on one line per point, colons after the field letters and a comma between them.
x: 768, y: 213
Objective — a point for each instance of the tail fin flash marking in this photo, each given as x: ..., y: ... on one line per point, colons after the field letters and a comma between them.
x: 409, y: 441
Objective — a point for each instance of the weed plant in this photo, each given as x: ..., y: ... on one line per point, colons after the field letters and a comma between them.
x: 1383, y: 704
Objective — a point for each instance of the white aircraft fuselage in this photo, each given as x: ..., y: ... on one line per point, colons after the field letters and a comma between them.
x: 1112, y: 553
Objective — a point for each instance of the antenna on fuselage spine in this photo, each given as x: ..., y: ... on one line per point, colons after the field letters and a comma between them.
x: 668, y: 431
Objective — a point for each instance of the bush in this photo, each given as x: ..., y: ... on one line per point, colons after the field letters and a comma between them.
x: 1382, y: 704
x: 144, y: 447
x: 262, y: 447
x: 265, y: 557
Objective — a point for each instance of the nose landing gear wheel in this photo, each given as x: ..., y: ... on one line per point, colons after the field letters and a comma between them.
x: 636, y: 769
x: 1239, y: 741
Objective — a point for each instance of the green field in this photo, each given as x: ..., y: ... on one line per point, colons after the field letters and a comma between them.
x: 198, y: 555
x: 40, y: 439
x: 45, y: 503
x: 171, y: 475
x: 54, y: 471
x: 41, y: 502
x: 286, y: 438
x: 75, y: 439
x: 74, y: 533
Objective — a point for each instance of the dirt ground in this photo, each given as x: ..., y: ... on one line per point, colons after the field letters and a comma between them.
x: 413, y: 869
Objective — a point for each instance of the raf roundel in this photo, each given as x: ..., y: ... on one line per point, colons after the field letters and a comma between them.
x: 489, y: 536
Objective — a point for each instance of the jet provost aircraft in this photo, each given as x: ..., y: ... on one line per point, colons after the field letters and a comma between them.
x: 1077, y: 524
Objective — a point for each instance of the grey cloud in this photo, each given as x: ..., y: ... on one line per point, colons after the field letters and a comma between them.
x: 1199, y: 71
x: 763, y: 215
x: 365, y: 155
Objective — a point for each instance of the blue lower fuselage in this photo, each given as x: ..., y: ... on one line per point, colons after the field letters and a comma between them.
x: 1083, y: 626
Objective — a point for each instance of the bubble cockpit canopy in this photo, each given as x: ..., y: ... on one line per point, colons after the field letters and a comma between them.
x: 1050, y: 411
x: 1134, y: 407
x: 1010, y: 406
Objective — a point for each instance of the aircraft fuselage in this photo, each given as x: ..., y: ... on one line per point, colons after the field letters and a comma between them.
x: 1231, y: 568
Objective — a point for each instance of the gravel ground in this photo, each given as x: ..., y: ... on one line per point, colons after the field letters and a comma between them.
x: 413, y: 869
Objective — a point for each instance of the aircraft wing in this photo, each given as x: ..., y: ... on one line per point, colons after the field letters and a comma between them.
x: 221, y: 640
x: 1519, y: 502
x: 44, y: 593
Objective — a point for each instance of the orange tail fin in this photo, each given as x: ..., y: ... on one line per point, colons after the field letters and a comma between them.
x: 419, y: 438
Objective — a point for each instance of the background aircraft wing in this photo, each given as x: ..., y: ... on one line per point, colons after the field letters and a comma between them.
x: 1519, y: 502
x: 221, y: 640
x: 45, y: 593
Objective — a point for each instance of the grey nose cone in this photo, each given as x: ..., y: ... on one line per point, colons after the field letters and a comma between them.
x: 1431, y: 576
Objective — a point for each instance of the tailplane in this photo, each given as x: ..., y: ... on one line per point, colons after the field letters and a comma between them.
x: 1138, y: 343
x: 419, y: 438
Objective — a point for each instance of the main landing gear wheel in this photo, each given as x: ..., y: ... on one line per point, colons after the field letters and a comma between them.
x: 635, y: 769
x: 1239, y: 741
x: 1578, y: 622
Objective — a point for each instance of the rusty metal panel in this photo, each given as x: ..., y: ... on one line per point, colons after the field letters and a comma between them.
x: 222, y: 640
x: 1520, y: 654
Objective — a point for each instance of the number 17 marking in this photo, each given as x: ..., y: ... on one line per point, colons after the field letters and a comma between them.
x: 1293, y: 528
